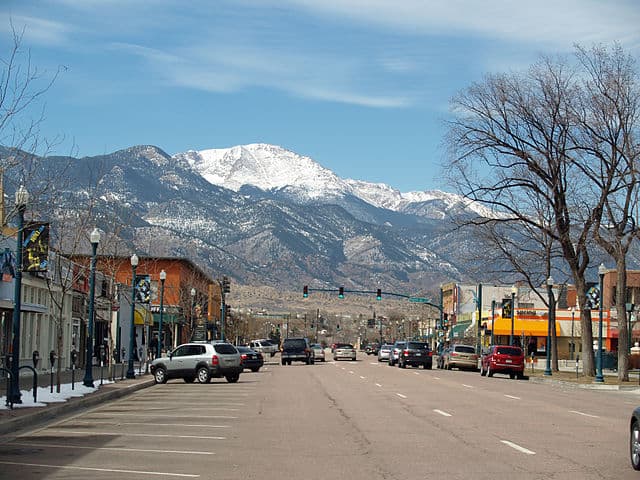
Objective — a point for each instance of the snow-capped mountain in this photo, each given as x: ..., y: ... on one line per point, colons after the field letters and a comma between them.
x: 267, y: 216
x: 277, y: 170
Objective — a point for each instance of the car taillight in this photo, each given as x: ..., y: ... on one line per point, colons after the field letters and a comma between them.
x: 430, y: 353
x: 454, y: 354
x: 215, y: 360
x: 243, y: 356
x: 405, y: 353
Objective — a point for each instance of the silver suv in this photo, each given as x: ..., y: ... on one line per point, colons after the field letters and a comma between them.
x: 199, y: 360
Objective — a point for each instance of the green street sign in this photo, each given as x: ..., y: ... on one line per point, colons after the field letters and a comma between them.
x: 419, y: 300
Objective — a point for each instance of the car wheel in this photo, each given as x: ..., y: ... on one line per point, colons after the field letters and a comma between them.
x: 402, y: 365
x: 512, y: 376
x: 283, y: 361
x: 255, y: 369
x: 520, y: 376
x: 429, y: 366
x: 233, y: 378
x: 203, y: 375
x: 634, y: 445
x: 189, y: 379
x: 160, y: 376
x: 489, y: 371
x: 289, y: 362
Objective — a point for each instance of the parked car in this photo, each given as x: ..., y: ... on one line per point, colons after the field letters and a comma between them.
x: 394, y: 354
x: 503, y: 359
x: 441, y: 357
x: 460, y: 357
x: 264, y: 346
x: 251, y: 359
x: 297, y: 349
x: 344, y: 350
x: 202, y: 361
x: 318, y: 352
x: 384, y: 351
x: 416, y: 354
x: 634, y: 439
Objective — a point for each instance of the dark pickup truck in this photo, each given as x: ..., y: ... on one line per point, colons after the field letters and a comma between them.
x: 297, y: 349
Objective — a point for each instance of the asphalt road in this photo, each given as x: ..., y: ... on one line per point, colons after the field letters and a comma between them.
x: 362, y: 419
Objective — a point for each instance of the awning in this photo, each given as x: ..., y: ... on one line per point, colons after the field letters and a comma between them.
x: 458, y: 330
x: 530, y: 328
x: 142, y: 317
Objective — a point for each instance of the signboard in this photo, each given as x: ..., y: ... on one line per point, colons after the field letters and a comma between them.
x: 143, y: 288
x: 36, y: 247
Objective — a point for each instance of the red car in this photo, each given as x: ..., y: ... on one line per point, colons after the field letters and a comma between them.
x: 503, y: 359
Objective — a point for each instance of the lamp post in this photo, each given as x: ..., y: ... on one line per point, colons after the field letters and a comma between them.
x: 193, y: 303
x: 573, y: 344
x: 601, y: 271
x: 134, y: 265
x: 94, y: 237
x: 547, y: 370
x: 22, y: 198
x: 493, y: 318
x: 513, y: 312
x: 163, y: 277
x: 629, y: 309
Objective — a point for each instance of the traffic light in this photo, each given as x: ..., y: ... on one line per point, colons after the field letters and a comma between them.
x: 227, y: 311
x: 305, y: 291
x: 341, y: 292
x: 379, y: 294
x: 226, y: 285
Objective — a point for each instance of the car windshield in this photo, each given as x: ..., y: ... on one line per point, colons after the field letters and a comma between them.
x: 464, y: 349
x: 509, y: 351
x: 225, y: 348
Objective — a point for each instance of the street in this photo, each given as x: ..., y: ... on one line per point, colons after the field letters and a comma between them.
x: 363, y: 419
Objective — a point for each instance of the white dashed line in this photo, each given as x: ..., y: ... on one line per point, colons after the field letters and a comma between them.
x: 467, y: 386
x: 401, y: 395
x: 583, y: 414
x: 511, y: 396
x: 515, y: 446
x: 416, y: 373
x: 440, y: 412
x: 351, y: 372
x: 436, y: 378
x: 378, y: 385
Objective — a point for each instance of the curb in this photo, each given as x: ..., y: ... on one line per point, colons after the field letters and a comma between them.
x: 53, y: 411
x: 587, y: 386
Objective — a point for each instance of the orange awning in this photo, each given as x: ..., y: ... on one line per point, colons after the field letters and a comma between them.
x: 531, y: 328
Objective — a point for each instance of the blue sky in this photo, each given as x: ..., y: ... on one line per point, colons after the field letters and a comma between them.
x: 361, y: 86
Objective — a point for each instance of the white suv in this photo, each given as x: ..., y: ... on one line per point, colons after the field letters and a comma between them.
x: 199, y: 360
x: 264, y: 346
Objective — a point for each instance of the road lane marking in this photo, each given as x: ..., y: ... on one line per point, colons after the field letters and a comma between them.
x: 440, y: 412
x: 401, y: 395
x: 583, y: 414
x: 416, y: 373
x: 436, y: 378
x: 68, y: 467
x: 94, y: 422
x: 362, y: 377
x: 127, y: 449
x: 511, y: 396
x: 121, y: 434
x: 153, y: 415
x: 378, y: 385
x: 467, y: 386
x: 518, y: 447
x: 351, y: 372
x: 373, y: 363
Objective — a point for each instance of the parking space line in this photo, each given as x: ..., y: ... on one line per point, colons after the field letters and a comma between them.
x: 93, y: 422
x: 515, y: 446
x: 154, y: 415
x: 401, y: 395
x: 583, y: 414
x: 511, y: 396
x: 127, y: 449
x: 121, y: 434
x: 440, y: 412
x: 91, y: 469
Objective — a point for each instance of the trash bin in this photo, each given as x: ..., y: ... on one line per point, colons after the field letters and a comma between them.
x: 610, y: 360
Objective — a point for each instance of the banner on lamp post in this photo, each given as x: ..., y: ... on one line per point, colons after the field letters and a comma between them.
x: 35, y: 247
x: 143, y: 288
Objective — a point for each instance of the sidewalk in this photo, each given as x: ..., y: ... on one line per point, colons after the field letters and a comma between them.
x: 20, y: 418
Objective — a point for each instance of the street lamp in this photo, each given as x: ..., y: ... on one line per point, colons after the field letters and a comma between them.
x: 493, y: 318
x: 22, y: 198
x: 94, y: 238
x: 573, y: 343
x: 547, y: 370
x: 193, y: 304
x: 134, y: 265
x: 163, y: 277
x: 629, y: 308
x: 601, y: 271
x: 514, y: 290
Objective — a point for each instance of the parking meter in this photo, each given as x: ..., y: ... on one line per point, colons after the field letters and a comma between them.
x: 36, y: 358
x: 52, y: 358
x: 103, y: 355
x: 74, y: 358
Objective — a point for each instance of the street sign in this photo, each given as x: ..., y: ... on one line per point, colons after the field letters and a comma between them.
x: 419, y: 300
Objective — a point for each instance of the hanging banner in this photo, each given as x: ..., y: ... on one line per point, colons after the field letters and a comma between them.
x: 143, y: 288
x: 35, y: 257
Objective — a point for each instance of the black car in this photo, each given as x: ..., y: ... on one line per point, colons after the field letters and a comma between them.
x: 634, y: 439
x: 250, y: 358
x: 297, y: 349
x: 416, y: 354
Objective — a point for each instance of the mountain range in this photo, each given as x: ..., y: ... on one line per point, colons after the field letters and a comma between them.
x: 268, y: 216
